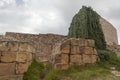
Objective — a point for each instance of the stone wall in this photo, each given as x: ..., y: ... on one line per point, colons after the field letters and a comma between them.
x: 109, y: 31
x: 15, y: 58
x: 43, y: 43
x: 73, y: 51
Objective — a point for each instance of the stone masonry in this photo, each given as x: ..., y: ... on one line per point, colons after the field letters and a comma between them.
x: 43, y: 43
x: 15, y: 58
x: 73, y: 51
x: 109, y: 31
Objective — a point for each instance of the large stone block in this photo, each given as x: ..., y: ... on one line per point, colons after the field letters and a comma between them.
x: 64, y: 58
x: 87, y: 58
x: 21, y: 68
x: 8, y: 46
x: 13, y: 46
x: 60, y: 58
x: 8, y: 56
x: 56, y: 58
x: 23, y: 47
x: 82, y: 49
x: 75, y: 59
x: 65, y: 49
x: 66, y: 42
x: 7, y: 69
x: 60, y: 66
x: 31, y: 49
x: 74, y: 42
x: 88, y: 50
x: 24, y: 57
x: 82, y: 42
x: 4, y: 46
x: 75, y: 50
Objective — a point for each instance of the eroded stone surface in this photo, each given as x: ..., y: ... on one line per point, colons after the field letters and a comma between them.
x: 24, y: 57
x: 8, y: 56
x: 21, y: 68
x: 14, y: 62
x: 81, y: 51
x: 7, y: 69
x: 76, y: 59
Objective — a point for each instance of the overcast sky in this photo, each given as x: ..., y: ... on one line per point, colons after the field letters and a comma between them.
x: 51, y: 16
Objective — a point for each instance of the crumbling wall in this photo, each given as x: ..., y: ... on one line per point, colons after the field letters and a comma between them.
x: 73, y: 51
x: 15, y: 57
x: 43, y: 43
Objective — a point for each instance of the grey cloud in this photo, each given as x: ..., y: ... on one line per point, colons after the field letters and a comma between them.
x: 52, y: 16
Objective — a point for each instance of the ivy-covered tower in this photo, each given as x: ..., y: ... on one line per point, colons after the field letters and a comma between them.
x: 85, y: 24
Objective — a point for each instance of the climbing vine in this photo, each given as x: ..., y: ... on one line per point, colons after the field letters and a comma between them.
x: 85, y: 24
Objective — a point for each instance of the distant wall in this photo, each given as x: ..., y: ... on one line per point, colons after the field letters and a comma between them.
x: 73, y: 51
x: 15, y: 58
x: 109, y: 31
x: 43, y: 43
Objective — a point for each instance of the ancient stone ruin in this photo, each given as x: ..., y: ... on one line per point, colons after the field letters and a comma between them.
x: 15, y: 58
x: 17, y: 50
x: 73, y: 51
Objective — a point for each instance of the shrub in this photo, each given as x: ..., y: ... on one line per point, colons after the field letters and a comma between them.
x: 109, y: 58
x: 35, y: 71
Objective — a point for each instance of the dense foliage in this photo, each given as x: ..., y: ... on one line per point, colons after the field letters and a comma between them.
x: 86, y: 25
x: 35, y: 71
x: 109, y: 58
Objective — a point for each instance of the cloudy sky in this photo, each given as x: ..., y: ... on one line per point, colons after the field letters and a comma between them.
x: 51, y: 16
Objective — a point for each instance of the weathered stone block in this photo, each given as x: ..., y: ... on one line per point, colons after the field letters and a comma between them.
x: 88, y: 50
x: 8, y: 56
x: 65, y: 49
x: 74, y: 41
x: 75, y: 59
x: 64, y: 58
x: 94, y: 58
x: 13, y: 46
x: 60, y: 58
x: 4, y: 46
x: 87, y: 58
x: 24, y: 57
x: 90, y: 43
x: 8, y: 46
x: 31, y: 49
x: 75, y: 50
x: 66, y: 42
x: 21, y: 68
x: 82, y: 42
x: 56, y: 58
x: 81, y: 49
x: 23, y: 47
x: 7, y: 69
x: 60, y: 66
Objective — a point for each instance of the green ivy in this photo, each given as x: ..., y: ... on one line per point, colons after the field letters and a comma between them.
x: 86, y: 25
